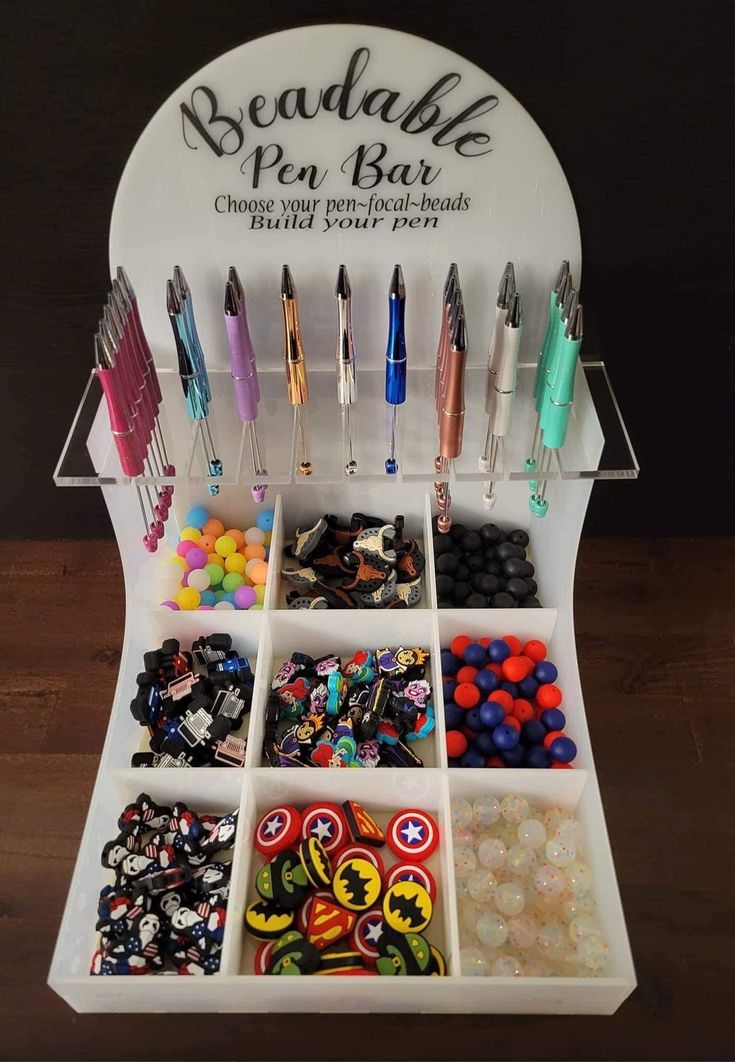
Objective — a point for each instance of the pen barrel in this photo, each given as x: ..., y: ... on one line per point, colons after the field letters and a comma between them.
x: 558, y: 406
x: 248, y: 349
x: 451, y: 416
x: 123, y: 435
x: 503, y: 410
x: 244, y: 380
x: 346, y: 382
x: 506, y: 379
x: 395, y: 355
x: 297, y: 386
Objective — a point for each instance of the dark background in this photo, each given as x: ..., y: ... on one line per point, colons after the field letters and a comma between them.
x: 636, y: 100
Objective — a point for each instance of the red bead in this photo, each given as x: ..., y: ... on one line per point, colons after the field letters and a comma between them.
x: 548, y: 696
x: 502, y: 697
x: 484, y: 642
x: 495, y: 761
x: 495, y: 668
x: 466, y: 695
x: 456, y: 744
x: 510, y: 720
x: 466, y: 674
x: 530, y: 664
x: 536, y: 650
x: 459, y: 644
x: 513, y: 642
x: 551, y: 736
x: 514, y: 669
x: 522, y: 710
x: 556, y: 766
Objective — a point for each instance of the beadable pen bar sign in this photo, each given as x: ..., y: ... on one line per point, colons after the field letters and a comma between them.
x: 436, y: 115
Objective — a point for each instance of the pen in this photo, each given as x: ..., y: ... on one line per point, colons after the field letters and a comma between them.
x: 560, y: 396
x: 451, y: 408
x: 506, y: 288
x: 297, y: 387
x: 244, y: 373
x: 448, y: 295
x: 346, y: 371
x: 499, y: 403
x: 547, y: 353
x: 197, y: 404
x: 184, y: 293
x: 395, y: 359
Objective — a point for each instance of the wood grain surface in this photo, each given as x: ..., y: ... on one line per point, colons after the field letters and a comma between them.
x: 655, y: 636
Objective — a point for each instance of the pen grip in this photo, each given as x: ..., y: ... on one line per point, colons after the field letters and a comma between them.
x: 243, y: 379
x: 126, y: 444
x: 395, y: 356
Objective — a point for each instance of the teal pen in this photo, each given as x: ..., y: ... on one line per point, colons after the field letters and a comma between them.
x: 183, y: 291
x: 543, y: 358
x: 558, y: 408
x: 556, y: 333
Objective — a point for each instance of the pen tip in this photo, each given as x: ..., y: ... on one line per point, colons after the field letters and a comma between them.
x: 124, y: 282
x: 563, y: 272
x: 182, y: 288
x: 514, y: 317
x: 564, y: 288
x: 397, y: 287
x: 231, y: 301
x: 234, y: 279
x: 575, y: 324
x: 101, y: 356
x: 507, y: 287
x: 288, y: 288
x: 173, y: 303
x: 459, y: 335
x: 343, y: 289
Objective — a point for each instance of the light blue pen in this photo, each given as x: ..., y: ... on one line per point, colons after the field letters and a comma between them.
x: 558, y: 407
x: 183, y: 291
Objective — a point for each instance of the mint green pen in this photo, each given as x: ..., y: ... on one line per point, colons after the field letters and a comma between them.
x: 558, y: 407
x: 545, y: 354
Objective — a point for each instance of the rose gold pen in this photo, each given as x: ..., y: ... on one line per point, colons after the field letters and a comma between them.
x: 297, y: 386
x: 451, y: 413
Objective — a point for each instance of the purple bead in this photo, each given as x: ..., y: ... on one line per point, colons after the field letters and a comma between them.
x: 538, y: 756
x: 473, y: 719
x: 472, y: 759
x: 511, y: 688
x: 450, y: 663
x: 453, y: 716
x: 533, y: 732
x: 514, y: 757
x: 486, y: 745
x: 449, y: 685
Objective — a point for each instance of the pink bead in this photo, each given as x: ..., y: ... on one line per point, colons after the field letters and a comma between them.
x: 196, y: 558
x: 206, y: 608
x: 172, y: 605
x: 183, y: 547
x: 245, y: 596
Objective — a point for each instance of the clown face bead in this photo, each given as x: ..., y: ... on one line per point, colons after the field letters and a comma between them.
x: 461, y: 814
x: 464, y: 862
x: 486, y: 811
x: 514, y: 808
x: 472, y: 963
x: 510, y: 899
x: 531, y: 833
x: 491, y: 853
x: 481, y: 884
x: 492, y: 929
x: 521, y: 862
x: 507, y: 966
x: 549, y: 881
x: 560, y: 852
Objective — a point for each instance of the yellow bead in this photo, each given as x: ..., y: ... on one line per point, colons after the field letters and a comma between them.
x: 193, y: 534
x: 260, y: 593
x: 188, y: 598
x: 214, y: 558
x: 225, y: 546
x: 176, y: 559
x: 235, y: 563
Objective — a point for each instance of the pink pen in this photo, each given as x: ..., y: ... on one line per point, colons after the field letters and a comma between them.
x: 244, y: 373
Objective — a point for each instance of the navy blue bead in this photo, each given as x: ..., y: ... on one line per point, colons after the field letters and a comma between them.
x: 563, y: 749
x: 448, y: 686
x: 491, y: 714
x: 453, y: 716
x: 450, y: 663
x: 486, y: 681
x: 553, y: 719
x: 538, y: 757
x: 472, y: 759
x: 546, y: 672
x: 505, y: 737
x: 475, y: 655
x: 511, y: 688
x: 473, y: 720
x: 485, y: 743
x: 453, y: 762
x: 498, y: 651
x: 528, y: 686
x: 514, y: 757
x: 533, y: 732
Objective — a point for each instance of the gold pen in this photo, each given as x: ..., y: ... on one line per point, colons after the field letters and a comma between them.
x: 297, y: 387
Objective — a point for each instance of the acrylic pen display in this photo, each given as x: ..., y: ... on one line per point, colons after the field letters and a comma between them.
x: 320, y: 705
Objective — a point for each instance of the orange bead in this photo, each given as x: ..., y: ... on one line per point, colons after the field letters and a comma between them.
x: 557, y: 766
x: 254, y: 552
x: 535, y: 649
x: 510, y: 720
x: 206, y: 542
x: 513, y: 642
x: 552, y: 736
x: 213, y: 527
x: 503, y: 698
x: 522, y: 710
x: 214, y: 558
x: 466, y: 674
x: 548, y: 696
x: 259, y: 573
x: 514, y: 669
x: 237, y: 535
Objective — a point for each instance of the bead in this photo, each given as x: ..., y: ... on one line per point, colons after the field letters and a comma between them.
x: 481, y: 884
x: 582, y: 927
x: 560, y: 852
x: 472, y: 963
x: 466, y: 695
x: 553, y: 941
x: 549, y: 880
x: 491, y: 853
x: 572, y: 831
x: 563, y: 749
x: 592, y: 951
x: 498, y: 651
x: 522, y: 930
x: 469, y: 913
x: 461, y: 813
x: 531, y: 833
x: 507, y: 966
x: 486, y: 811
x: 578, y: 878
x: 514, y: 808
x: 521, y: 861
x: 456, y: 744
x: 491, y: 929
x: 463, y: 837
x: 464, y: 862
x: 510, y: 898
x: 546, y: 673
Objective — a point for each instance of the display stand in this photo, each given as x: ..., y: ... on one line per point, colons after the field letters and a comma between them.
x: 168, y: 211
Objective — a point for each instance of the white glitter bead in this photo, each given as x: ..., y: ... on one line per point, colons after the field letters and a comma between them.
x: 492, y: 929
x: 531, y: 833
x: 472, y: 962
x: 491, y: 853
x: 549, y: 880
x: 481, y: 885
x: 464, y: 862
x: 461, y: 814
x: 486, y: 811
x: 522, y: 930
x: 514, y: 808
x: 521, y: 862
x: 510, y: 898
x: 507, y: 966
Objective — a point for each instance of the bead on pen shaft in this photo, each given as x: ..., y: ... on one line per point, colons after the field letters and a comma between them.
x: 244, y: 373
x: 506, y: 289
x: 500, y: 405
x: 346, y: 367
x: 142, y: 343
x: 395, y: 359
x: 546, y: 353
x: 558, y: 405
x: 297, y: 386
x: 197, y: 405
x: 451, y: 413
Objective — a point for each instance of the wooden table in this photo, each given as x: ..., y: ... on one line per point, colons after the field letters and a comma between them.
x: 655, y: 622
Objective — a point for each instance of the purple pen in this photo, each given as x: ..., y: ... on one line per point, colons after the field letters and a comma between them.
x: 244, y: 373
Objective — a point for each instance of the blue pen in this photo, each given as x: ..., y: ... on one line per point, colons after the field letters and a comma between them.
x: 183, y: 291
x: 395, y: 359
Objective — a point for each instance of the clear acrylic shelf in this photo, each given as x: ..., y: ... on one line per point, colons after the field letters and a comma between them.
x: 597, y: 446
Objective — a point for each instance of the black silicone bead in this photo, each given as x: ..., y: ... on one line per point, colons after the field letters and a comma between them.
x: 476, y: 601
x: 519, y: 537
x: 457, y: 531
x: 460, y: 593
x: 503, y: 600
x: 475, y: 562
x: 447, y: 564
x: 513, y: 568
x: 442, y: 544
x: 462, y: 573
x: 505, y: 550
x: 490, y: 534
x: 444, y: 585
x: 471, y: 542
x: 494, y: 568
x: 489, y: 584
x: 530, y: 602
x: 517, y: 589
x: 532, y: 585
